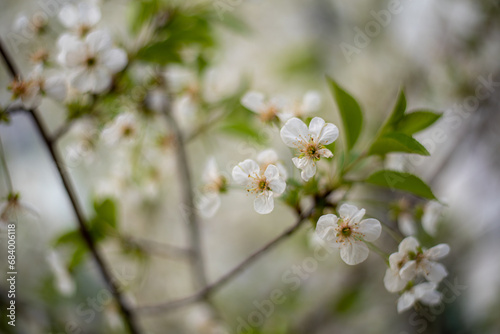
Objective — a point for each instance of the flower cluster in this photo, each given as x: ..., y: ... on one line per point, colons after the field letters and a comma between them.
x: 410, y: 263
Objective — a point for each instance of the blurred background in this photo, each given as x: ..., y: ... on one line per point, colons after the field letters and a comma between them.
x: 446, y: 55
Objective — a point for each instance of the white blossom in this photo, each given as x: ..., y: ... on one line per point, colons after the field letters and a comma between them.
x: 265, y: 184
x: 309, y: 104
x: 423, y: 292
x: 63, y: 281
x: 349, y: 232
x: 406, y: 224
x: 80, y: 18
x: 92, y: 62
x: 267, y: 110
x: 270, y: 157
x: 123, y: 128
x: 433, y: 211
x: 13, y: 207
x: 423, y: 262
x: 213, y: 184
x: 310, y: 142
x: 392, y: 280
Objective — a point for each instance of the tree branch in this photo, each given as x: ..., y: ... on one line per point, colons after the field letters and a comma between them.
x: 188, y: 201
x: 126, y: 310
x: 211, y: 288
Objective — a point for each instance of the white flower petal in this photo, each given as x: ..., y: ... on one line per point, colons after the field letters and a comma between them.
x: 406, y: 224
x: 406, y: 301
x: 208, y: 204
x: 56, y: 87
x: 115, y: 59
x: 268, y: 156
x: 427, y: 294
x: 309, y: 170
x: 434, y: 272
x: 325, y: 153
x: 242, y: 172
x: 76, y: 55
x: 283, y: 172
x: 325, y: 228
x: 329, y: 134
x: 409, y: 270
x: 354, y: 252
x: 311, y: 102
x: 370, y: 228
x: 437, y: 252
x: 431, y: 216
x: 409, y: 244
x: 395, y: 260
x: 264, y: 203
x: 272, y: 173
x: 294, y: 132
x: 211, y: 171
x: 98, y: 41
x: 392, y: 281
x: 89, y: 14
x: 315, y: 127
x: 253, y: 101
x: 68, y: 15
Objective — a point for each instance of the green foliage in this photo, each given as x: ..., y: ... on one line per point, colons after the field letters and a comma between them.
x: 397, y: 142
x: 401, y: 181
x: 100, y: 225
x: 348, y: 300
x: 142, y: 12
x: 417, y: 121
x: 350, y: 112
x: 396, y: 134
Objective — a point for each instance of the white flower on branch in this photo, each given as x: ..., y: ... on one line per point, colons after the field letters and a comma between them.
x: 267, y: 110
x: 392, y: 280
x: 423, y: 262
x: 123, y: 128
x: 423, y: 292
x: 63, y: 281
x: 270, y: 157
x: 92, y: 62
x: 310, y: 142
x: 349, y: 232
x: 13, y: 207
x: 213, y: 184
x: 309, y: 104
x: 265, y: 184
x: 80, y: 18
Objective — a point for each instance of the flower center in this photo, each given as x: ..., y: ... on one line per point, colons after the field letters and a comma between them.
x: 127, y: 131
x: 259, y: 184
x: 91, y: 61
x: 346, y: 231
x: 269, y: 114
x: 311, y: 149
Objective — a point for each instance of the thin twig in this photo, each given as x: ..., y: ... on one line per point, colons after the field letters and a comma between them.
x: 211, y: 288
x: 158, y: 248
x: 5, y: 167
x: 188, y: 201
x: 126, y: 310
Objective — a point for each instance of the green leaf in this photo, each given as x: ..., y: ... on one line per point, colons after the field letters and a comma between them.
x: 162, y: 53
x: 106, y: 211
x: 71, y: 237
x: 350, y: 112
x: 417, y: 121
x: 243, y: 130
x: 397, y: 113
x: 141, y: 12
x: 77, y: 258
x: 401, y: 181
x: 397, y: 142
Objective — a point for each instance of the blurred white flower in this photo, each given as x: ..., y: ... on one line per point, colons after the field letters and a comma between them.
x: 201, y: 319
x: 406, y: 224
x: 27, y: 91
x: 270, y: 157
x: 91, y: 62
x: 265, y: 184
x: 423, y: 262
x: 349, y: 232
x: 309, y: 104
x: 310, y: 142
x: 423, y: 292
x: 80, y: 18
x: 213, y: 184
x: 267, y: 110
x: 433, y: 211
x: 63, y: 281
x: 123, y: 128
x: 36, y: 24
x: 13, y: 207
x: 392, y: 280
